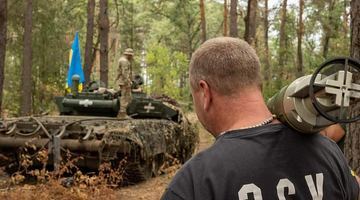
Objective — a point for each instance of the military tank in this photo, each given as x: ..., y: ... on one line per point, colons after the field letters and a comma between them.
x: 87, y: 126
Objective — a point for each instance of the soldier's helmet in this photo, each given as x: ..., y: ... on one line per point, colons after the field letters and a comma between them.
x: 138, y: 80
x: 129, y: 51
x: 94, y: 85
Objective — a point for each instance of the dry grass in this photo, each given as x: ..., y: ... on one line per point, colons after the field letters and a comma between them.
x: 104, y: 185
x: 47, y: 184
x: 54, y: 190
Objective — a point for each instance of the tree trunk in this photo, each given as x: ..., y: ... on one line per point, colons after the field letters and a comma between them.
x: 282, y: 46
x: 104, y: 35
x: 225, y: 33
x: 89, y: 39
x: 250, y: 22
x: 300, y: 33
x: 355, y: 29
x: 132, y: 40
x: 95, y: 52
x: 26, y: 81
x: 267, y: 71
x: 352, y: 142
x: 345, y: 18
x: 202, y: 21
x: 3, y: 30
x: 233, y: 18
x: 326, y: 45
x: 328, y: 29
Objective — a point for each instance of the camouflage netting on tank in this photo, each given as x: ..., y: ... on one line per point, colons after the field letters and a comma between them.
x: 101, y: 139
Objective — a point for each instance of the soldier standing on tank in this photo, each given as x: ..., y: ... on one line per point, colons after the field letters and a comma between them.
x: 123, y: 80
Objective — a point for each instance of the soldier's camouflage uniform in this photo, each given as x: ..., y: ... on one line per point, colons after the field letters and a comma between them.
x: 123, y: 80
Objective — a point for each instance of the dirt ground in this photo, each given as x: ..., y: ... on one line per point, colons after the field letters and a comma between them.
x: 149, y: 190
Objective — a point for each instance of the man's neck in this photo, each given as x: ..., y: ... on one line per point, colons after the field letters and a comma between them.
x: 231, y: 113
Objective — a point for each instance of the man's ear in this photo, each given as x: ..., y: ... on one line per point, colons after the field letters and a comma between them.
x: 206, y: 94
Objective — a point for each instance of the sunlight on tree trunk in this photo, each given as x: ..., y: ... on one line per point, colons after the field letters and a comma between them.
x: 104, y: 39
x: 89, y: 39
x: 233, y: 18
x: 3, y: 31
x: 250, y: 22
x: 300, y: 33
x: 328, y: 28
x: 202, y: 21
x: 26, y: 80
x: 225, y: 32
x: 345, y: 17
x: 267, y: 70
x: 282, y: 46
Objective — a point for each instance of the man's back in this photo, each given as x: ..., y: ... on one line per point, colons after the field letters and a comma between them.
x: 268, y: 162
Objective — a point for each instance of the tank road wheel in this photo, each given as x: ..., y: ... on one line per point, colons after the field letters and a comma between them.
x: 147, y: 169
x: 144, y: 170
x: 136, y: 172
x: 157, y: 162
x: 185, y: 153
x: 151, y: 167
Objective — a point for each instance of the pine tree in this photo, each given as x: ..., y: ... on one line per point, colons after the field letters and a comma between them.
x: 26, y: 79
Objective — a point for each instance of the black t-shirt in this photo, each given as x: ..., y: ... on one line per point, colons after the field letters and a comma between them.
x: 268, y: 162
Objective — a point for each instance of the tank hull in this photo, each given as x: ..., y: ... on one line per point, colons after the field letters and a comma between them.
x: 145, y: 143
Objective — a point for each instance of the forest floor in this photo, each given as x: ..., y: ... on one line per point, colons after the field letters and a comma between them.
x: 149, y: 190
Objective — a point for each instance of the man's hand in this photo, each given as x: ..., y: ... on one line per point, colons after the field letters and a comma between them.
x: 358, y: 180
x: 334, y: 132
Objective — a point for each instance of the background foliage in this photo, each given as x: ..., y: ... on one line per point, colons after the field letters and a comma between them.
x: 167, y: 31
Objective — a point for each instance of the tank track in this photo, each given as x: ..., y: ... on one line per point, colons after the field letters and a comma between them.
x: 135, y: 173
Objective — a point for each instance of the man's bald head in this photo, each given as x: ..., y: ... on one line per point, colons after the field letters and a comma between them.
x: 226, y: 64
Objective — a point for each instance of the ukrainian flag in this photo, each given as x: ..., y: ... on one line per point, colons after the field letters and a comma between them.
x: 75, y: 65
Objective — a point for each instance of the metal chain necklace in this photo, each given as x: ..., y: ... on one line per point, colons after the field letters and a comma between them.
x: 266, y: 121
x: 263, y: 123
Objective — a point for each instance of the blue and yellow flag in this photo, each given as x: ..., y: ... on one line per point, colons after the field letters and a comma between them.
x: 75, y: 65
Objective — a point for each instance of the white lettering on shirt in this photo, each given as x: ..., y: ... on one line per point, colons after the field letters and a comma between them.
x: 316, y: 192
x: 284, y: 183
x: 248, y: 189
